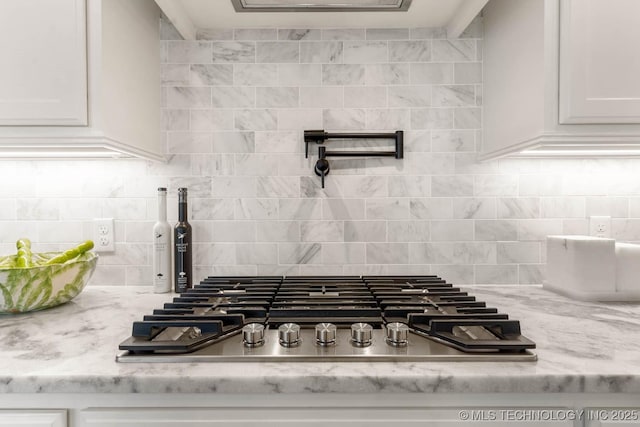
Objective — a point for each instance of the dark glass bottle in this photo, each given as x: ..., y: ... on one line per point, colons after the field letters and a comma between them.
x: 183, y: 246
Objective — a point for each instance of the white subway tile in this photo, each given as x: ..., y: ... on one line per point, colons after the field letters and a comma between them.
x: 233, y: 97
x: 324, y: 52
x: 256, y: 209
x: 234, y: 231
x: 278, y: 142
x: 474, y: 208
x: 343, y: 74
x: 188, y: 52
x: 387, y: 253
x: 37, y: 209
x: 343, y: 34
x: 214, y: 34
x: 428, y: 33
x: 408, y: 231
x: 387, y: 74
x: 278, y: 231
x: 321, y: 97
x: 365, y: 231
x: 299, y: 74
x: 299, y: 119
x: 261, y: 164
x: 299, y: 253
x: 365, y: 97
x: 410, y: 51
x: 343, y: 209
x: 432, y: 73
x: 211, y: 120
x: 495, y: 229
x: 451, y: 230
x: 453, y: 140
x: 518, y: 252
x: 204, y: 209
x: 257, y: 253
x: 233, y: 52
x: 303, y: 209
x: 210, y: 75
x: 453, y: 50
x: 233, y: 142
x: 321, y: 231
x: 278, y: 186
x: 410, y: 96
x: 223, y: 186
x: 431, y: 208
x: 282, y: 97
x: 496, y: 274
x: 453, y: 96
x: 278, y: 52
x: 188, y: 97
x: 189, y: 142
x: 343, y: 253
x: 387, y: 33
x: 344, y: 119
x: 387, y: 208
x: 255, y: 75
x: 299, y: 34
x: 255, y: 34
x: 256, y: 119
x: 365, y: 52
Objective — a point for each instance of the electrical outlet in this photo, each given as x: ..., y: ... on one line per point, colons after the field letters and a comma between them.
x: 600, y: 226
x: 103, y: 237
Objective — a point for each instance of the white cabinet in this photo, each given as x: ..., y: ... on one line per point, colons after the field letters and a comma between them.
x: 44, y: 77
x: 80, y: 78
x: 33, y: 418
x: 318, y: 417
x: 599, y: 61
x: 560, y: 78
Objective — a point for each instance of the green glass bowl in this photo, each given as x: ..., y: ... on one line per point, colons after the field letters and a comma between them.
x: 45, y: 286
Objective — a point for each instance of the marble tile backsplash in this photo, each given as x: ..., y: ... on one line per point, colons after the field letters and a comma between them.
x: 235, y: 103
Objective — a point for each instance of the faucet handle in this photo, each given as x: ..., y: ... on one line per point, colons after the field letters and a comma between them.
x: 322, y: 167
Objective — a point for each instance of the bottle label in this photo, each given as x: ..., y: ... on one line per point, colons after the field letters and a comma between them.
x: 182, y: 247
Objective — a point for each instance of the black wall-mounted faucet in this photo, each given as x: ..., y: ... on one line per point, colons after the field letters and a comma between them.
x: 319, y: 136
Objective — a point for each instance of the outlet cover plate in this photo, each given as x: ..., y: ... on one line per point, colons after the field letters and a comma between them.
x: 600, y: 226
x: 103, y: 235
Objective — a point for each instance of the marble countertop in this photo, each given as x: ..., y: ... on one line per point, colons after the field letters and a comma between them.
x: 581, y: 347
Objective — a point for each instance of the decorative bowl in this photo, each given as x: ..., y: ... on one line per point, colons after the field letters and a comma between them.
x: 43, y: 286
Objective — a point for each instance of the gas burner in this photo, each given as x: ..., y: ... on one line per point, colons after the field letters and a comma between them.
x: 325, y: 318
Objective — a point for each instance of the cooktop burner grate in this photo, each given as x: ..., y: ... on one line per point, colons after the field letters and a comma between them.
x: 304, y: 318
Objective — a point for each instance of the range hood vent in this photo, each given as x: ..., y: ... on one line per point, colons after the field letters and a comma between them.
x: 321, y: 5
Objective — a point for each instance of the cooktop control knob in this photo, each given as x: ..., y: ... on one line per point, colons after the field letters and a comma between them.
x: 325, y: 334
x: 253, y: 335
x: 361, y: 334
x: 397, y: 334
x: 289, y: 334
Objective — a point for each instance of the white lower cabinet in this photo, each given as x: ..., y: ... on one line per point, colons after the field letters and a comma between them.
x: 323, y: 417
x: 610, y: 417
x: 33, y: 418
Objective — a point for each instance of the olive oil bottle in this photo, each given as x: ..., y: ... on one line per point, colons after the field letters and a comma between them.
x: 183, y: 247
x: 162, y: 247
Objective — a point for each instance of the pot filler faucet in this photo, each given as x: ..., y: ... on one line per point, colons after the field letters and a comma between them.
x: 322, y: 166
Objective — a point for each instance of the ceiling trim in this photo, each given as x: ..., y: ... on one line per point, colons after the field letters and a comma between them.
x: 463, y: 17
x: 178, y: 17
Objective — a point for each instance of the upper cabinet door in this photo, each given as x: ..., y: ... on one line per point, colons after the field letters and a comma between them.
x: 43, y: 77
x: 599, y: 61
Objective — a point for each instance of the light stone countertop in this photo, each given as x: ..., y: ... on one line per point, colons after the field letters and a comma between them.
x: 581, y: 347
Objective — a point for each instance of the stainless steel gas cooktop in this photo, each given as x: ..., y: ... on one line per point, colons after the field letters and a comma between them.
x: 325, y: 318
